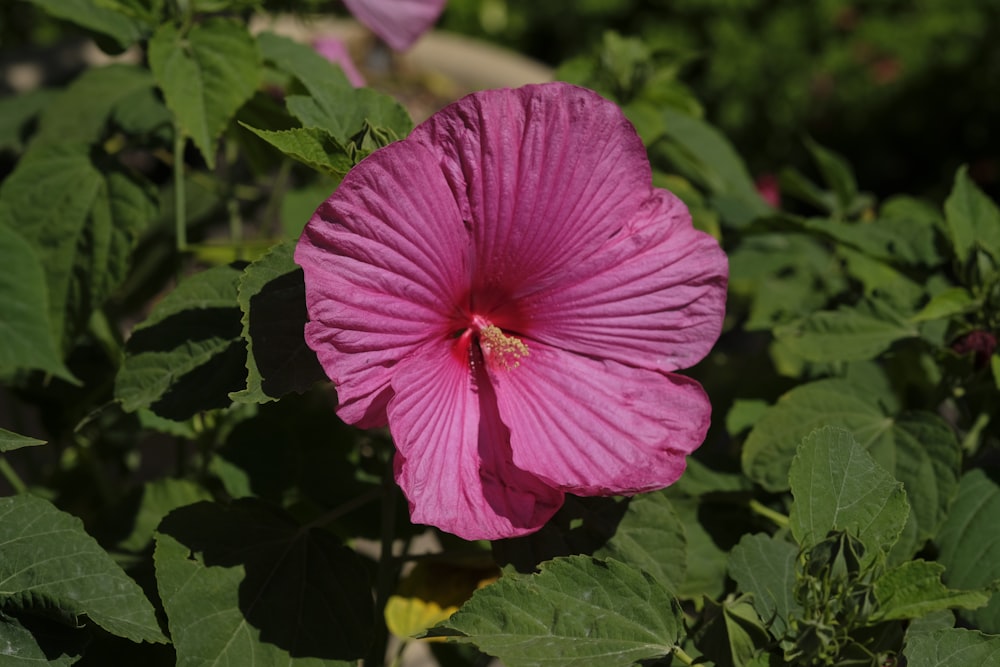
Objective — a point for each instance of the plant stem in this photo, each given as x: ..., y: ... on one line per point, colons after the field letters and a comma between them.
x: 180, y: 222
x: 388, y: 568
x: 682, y: 656
x: 763, y: 510
x: 11, y: 476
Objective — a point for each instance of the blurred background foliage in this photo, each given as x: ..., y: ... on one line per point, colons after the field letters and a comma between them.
x: 904, y: 89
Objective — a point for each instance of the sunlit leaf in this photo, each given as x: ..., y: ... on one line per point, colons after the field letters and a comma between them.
x: 577, y: 611
x: 206, y: 74
x: 914, y: 589
x: 731, y: 634
x: 94, y: 15
x: 837, y: 485
x: 973, y: 220
x: 50, y: 564
x: 312, y: 146
x: 10, y: 441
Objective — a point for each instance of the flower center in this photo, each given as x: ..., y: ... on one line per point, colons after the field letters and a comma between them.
x: 500, y: 350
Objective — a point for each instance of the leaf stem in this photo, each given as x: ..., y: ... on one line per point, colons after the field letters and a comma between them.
x: 763, y: 510
x: 11, y: 476
x: 180, y: 222
x: 681, y: 655
x: 345, y: 508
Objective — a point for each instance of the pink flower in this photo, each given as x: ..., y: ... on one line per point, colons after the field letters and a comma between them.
x: 508, y: 292
x: 336, y: 52
x: 398, y: 23
x: 769, y: 189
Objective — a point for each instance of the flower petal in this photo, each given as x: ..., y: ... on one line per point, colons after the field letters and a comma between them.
x: 544, y: 174
x: 398, y: 23
x: 652, y: 297
x: 454, y: 460
x: 595, y: 427
x: 385, y: 261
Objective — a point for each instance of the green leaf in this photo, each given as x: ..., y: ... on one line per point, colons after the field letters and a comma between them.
x: 576, y: 611
x: 644, y: 531
x: 333, y: 104
x: 706, y: 526
x: 25, y: 325
x: 206, y: 75
x: 914, y: 589
x: 919, y: 448
x: 32, y: 641
x: 837, y: 485
x: 848, y: 334
x: 245, y: 585
x: 764, y: 566
x: 973, y: 220
x: 93, y: 97
x: 312, y: 146
x: 17, y: 112
x: 9, y: 441
x: 158, y: 499
x: 94, y: 16
x: 51, y: 564
x: 272, y: 297
x: 706, y: 156
x: 732, y: 634
x: 188, y: 355
x: 947, y: 304
x: 837, y: 174
x: 83, y: 216
x: 950, y: 648
x: 969, y: 544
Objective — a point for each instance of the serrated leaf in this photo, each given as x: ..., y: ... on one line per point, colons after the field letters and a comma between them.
x: 245, y: 585
x: 764, y: 566
x: 575, y: 612
x: 28, y: 338
x: 188, y: 355
x: 969, y: 544
x: 205, y: 74
x: 848, y: 334
x: 836, y: 173
x: 837, y: 485
x: 312, y: 146
x: 93, y: 97
x: 705, y: 525
x: 9, y: 441
x: 93, y: 16
x: 333, y: 104
x: 973, y: 220
x: 272, y: 297
x: 50, y: 561
x: 914, y: 589
x: 82, y: 215
x: 951, y: 647
x: 919, y: 448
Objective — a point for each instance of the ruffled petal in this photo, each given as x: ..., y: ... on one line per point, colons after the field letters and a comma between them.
x: 398, y: 23
x: 653, y: 297
x: 454, y: 460
x: 544, y: 174
x: 595, y: 427
x: 385, y: 261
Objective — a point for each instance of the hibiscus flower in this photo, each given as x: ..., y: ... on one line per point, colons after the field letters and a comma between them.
x: 507, y: 291
x: 398, y: 23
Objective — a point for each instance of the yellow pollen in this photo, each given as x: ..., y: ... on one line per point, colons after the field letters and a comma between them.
x: 505, y: 351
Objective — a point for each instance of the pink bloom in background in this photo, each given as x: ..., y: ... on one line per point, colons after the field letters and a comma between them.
x: 398, y: 23
x: 336, y: 52
x: 769, y: 189
x: 508, y: 292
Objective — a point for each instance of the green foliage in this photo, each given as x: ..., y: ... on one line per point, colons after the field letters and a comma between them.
x: 175, y: 485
